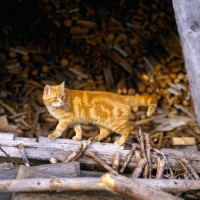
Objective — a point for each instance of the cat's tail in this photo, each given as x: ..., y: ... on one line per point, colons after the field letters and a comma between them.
x: 146, y: 100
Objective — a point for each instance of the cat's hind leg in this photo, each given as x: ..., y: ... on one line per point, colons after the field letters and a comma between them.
x: 77, y: 128
x: 124, y: 130
x: 104, y: 132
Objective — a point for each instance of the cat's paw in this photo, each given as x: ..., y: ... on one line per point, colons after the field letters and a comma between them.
x: 51, y: 137
x: 118, y: 143
x: 76, y: 138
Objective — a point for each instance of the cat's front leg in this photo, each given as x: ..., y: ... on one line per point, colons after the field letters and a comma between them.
x: 77, y: 128
x: 62, y: 125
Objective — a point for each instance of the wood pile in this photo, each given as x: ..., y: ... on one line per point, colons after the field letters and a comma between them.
x: 122, y: 46
x: 165, y: 173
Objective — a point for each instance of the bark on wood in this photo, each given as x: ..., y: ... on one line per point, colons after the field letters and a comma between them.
x: 131, y: 189
x: 187, y: 18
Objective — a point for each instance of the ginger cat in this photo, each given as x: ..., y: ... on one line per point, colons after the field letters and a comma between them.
x: 109, y: 111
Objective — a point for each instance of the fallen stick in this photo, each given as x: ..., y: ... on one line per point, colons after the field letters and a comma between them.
x: 23, y: 153
x: 148, y: 153
x: 49, y: 184
x: 100, y: 161
x: 116, y: 160
x: 90, y: 140
x: 172, y: 175
x: 130, y: 154
x: 91, y: 184
x: 140, y: 166
x: 11, y: 159
x: 190, y: 169
x: 132, y: 189
x: 74, y: 153
x: 160, y: 167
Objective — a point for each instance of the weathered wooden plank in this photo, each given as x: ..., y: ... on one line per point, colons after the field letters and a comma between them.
x: 187, y: 15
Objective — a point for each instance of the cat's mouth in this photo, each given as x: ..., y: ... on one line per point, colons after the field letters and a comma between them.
x: 59, y: 105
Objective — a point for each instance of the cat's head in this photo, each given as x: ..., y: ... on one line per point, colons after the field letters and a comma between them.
x: 54, y: 96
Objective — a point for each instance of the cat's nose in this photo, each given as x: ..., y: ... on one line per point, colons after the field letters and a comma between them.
x: 61, y: 103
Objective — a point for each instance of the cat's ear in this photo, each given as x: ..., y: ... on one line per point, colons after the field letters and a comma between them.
x: 62, y: 86
x: 47, y: 89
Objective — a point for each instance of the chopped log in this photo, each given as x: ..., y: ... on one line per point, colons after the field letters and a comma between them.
x: 187, y: 19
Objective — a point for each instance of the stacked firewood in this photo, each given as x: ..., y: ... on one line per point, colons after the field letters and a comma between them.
x: 125, y: 47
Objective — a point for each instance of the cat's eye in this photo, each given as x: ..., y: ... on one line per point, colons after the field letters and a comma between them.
x: 54, y: 98
x: 63, y: 97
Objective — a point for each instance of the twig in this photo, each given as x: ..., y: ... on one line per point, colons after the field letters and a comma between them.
x: 148, y: 153
x: 23, y: 153
x: 11, y: 159
x: 129, y: 143
x: 160, y: 167
x: 74, y: 153
x: 138, y: 170
x: 101, y: 162
x: 127, y: 159
x: 188, y: 175
x: 140, y: 139
x: 190, y: 168
x: 146, y: 171
x: 116, y: 161
x: 172, y: 175
x: 90, y: 140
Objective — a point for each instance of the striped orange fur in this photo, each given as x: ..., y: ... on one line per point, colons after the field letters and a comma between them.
x: 109, y: 111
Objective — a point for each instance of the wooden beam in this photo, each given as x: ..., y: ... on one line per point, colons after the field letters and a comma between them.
x: 187, y: 18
